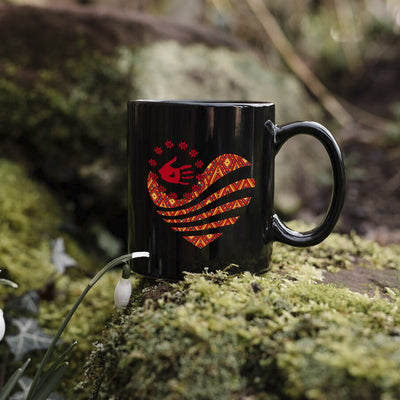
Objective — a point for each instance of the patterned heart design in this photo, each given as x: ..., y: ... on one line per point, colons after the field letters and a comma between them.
x: 200, y: 218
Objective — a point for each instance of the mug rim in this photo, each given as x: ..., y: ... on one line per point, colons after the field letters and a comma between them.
x: 208, y: 103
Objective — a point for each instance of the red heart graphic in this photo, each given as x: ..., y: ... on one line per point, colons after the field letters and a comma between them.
x: 186, y: 215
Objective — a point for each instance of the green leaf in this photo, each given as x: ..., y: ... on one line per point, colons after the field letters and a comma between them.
x: 24, y: 383
x: 28, y: 302
x: 30, y: 337
x: 45, y: 376
x: 9, y: 386
x: 51, y: 383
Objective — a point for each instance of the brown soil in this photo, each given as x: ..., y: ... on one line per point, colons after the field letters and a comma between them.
x: 364, y: 280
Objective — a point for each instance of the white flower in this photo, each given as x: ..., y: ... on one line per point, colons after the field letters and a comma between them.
x: 2, y: 325
x: 122, y: 293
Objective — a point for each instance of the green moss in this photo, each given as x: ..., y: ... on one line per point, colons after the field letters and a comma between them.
x: 29, y: 218
x: 335, y: 253
x: 79, y: 105
x: 289, y: 337
x: 85, y: 327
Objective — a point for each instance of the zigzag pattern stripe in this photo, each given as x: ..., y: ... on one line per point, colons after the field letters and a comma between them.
x: 202, y: 240
x: 233, y: 187
x: 232, y: 205
x: 218, y: 168
x: 211, y: 225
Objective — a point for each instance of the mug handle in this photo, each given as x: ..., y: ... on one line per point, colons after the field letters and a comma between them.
x: 281, y: 134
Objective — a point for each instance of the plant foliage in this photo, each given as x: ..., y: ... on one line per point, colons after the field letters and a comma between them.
x: 29, y: 337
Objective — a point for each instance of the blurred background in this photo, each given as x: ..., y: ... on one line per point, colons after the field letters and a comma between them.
x: 68, y: 68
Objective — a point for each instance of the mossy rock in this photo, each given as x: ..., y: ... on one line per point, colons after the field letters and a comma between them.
x: 63, y: 107
x: 282, y: 335
x: 63, y: 98
x: 168, y: 70
x: 30, y: 217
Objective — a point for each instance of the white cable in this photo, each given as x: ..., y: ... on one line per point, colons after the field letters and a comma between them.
x: 140, y: 254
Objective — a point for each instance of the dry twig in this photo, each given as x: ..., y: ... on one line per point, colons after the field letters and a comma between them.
x: 297, y: 65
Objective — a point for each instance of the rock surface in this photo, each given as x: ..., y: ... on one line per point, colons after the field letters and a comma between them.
x: 285, y: 334
x: 66, y: 77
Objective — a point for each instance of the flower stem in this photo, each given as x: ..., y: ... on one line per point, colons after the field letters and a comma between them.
x: 95, y: 279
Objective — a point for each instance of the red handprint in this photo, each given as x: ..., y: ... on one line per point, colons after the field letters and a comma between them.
x: 174, y: 175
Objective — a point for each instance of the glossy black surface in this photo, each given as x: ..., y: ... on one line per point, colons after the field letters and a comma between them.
x: 209, y: 130
x: 281, y: 232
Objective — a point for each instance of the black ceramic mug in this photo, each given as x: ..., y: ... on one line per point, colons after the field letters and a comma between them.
x: 201, y: 185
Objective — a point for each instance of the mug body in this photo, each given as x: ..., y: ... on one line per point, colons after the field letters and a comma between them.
x: 200, y: 186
